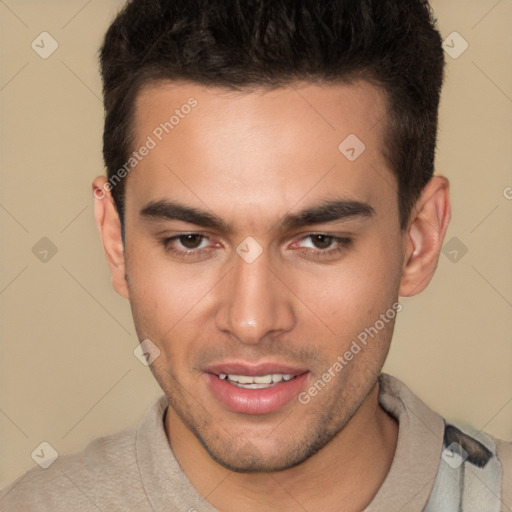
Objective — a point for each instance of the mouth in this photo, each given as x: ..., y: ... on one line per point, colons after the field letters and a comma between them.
x: 258, y: 382
x: 256, y: 390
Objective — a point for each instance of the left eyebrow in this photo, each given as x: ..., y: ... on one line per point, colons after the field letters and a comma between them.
x: 327, y: 211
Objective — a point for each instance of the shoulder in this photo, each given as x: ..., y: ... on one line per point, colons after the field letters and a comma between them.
x: 504, y: 454
x: 82, y: 480
x: 472, y: 469
x: 475, y: 470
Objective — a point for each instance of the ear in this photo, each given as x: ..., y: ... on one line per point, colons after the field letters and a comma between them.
x: 424, y: 237
x: 109, y: 224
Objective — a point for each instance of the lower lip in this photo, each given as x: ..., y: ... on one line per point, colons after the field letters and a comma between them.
x: 256, y: 401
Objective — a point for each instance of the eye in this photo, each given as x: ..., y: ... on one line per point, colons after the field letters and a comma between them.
x: 186, y: 245
x: 191, y: 241
x: 322, y: 245
x: 314, y: 245
x: 320, y: 241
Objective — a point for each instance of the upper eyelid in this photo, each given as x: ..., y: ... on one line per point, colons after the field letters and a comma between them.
x: 205, y: 235
x: 175, y: 238
x: 341, y: 240
x: 337, y: 238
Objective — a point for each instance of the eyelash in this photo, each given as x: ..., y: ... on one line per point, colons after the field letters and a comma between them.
x: 343, y: 243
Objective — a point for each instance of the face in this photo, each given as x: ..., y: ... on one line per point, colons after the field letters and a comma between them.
x: 256, y: 255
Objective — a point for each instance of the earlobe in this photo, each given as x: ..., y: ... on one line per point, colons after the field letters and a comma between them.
x: 424, y: 238
x: 109, y: 225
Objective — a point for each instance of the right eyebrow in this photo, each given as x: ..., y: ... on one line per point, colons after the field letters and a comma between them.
x: 171, y: 210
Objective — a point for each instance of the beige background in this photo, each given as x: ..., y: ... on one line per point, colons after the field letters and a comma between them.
x: 67, y: 370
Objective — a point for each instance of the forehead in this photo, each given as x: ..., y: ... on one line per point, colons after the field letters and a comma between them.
x: 249, y: 149
x: 327, y: 111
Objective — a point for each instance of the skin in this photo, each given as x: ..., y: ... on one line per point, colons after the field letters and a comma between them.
x: 251, y: 159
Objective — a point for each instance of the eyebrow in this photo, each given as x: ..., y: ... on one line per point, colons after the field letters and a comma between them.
x: 326, y: 211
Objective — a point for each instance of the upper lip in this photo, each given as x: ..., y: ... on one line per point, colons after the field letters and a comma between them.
x: 254, y: 370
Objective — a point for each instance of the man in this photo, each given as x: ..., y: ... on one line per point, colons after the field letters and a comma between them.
x: 270, y: 196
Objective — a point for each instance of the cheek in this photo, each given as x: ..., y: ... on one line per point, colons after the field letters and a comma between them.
x: 166, y: 297
x: 350, y: 297
x: 157, y: 293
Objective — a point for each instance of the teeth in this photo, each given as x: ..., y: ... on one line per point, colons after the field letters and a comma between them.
x: 264, y: 379
x: 241, y: 379
x: 257, y: 382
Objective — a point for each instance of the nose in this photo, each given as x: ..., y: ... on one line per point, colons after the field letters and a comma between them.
x: 254, y: 302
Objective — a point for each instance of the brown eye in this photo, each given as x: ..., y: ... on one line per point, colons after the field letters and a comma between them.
x: 193, y: 247
x: 324, y: 246
x: 322, y: 241
x: 192, y: 241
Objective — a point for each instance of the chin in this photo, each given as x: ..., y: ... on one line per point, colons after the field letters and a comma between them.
x: 256, y: 463
x: 246, y: 457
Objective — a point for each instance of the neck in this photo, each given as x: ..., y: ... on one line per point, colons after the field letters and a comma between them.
x: 348, y: 471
